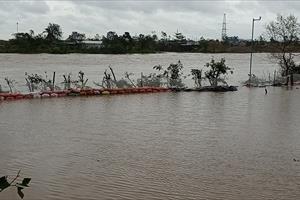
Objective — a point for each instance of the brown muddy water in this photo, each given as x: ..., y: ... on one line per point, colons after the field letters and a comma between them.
x: 237, y: 145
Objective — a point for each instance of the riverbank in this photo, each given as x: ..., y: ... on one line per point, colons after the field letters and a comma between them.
x: 98, y: 47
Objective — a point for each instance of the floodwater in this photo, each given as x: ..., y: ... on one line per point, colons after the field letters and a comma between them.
x: 235, y: 145
x: 14, y: 66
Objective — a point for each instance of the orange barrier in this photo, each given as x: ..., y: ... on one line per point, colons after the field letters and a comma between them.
x: 11, y: 96
x: 82, y: 92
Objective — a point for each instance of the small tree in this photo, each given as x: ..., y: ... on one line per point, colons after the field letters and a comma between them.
x: 284, y: 35
x: 217, y: 72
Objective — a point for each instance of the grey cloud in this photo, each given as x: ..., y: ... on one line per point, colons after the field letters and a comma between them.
x: 153, y: 6
x: 193, y: 18
x: 28, y: 7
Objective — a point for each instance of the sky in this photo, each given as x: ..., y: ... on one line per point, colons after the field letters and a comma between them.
x: 194, y: 18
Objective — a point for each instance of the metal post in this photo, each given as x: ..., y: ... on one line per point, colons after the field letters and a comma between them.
x: 251, y: 54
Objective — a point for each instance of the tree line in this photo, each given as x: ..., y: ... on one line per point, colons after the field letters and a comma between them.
x: 50, y: 41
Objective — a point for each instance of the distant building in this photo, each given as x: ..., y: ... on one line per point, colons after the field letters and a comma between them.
x: 234, y: 40
x: 92, y: 44
x: 89, y: 44
x: 190, y: 43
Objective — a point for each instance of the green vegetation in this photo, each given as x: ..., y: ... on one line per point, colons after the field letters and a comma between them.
x: 172, y: 75
x: 217, y: 71
x: 50, y: 41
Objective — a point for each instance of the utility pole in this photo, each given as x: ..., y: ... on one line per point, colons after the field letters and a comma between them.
x: 251, y: 54
x: 224, y: 29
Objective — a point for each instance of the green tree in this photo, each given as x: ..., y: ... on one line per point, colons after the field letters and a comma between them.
x: 217, y: 72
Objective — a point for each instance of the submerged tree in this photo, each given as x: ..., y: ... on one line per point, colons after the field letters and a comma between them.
x: 217, y: 71
x: 67, y: 81
x: 36, y: 81
x: 10, y: 83
x: 151, y: 80
x: 172, y: 74
x: 110, y: 81
x: 175, y: 74
x: 127, y: 76
x: 82, y: 81
x: 284, y: 34
x: 197, y: 77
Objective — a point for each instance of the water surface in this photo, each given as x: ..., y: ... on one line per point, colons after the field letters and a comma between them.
x: 237, y: 145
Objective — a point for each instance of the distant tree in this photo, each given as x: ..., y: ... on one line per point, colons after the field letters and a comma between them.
x: 262, y: 40
x: 22, y: 36
x: 31, y: 33
x: 97, y: 37
x: 164, y: 36
x: 53, y: 32
x: 111, y: 35
x: 179, y: 36
x: 126, y: 36
x: 113, y: 43
x: 127, y: 41
x: 284, y: 34
x: 76, y: 37
x: 217, y: 72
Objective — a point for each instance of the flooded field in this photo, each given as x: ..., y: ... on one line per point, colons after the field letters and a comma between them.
x: 235, y: 145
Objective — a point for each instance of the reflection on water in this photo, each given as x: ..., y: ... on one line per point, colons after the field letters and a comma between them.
x: 237, y: 145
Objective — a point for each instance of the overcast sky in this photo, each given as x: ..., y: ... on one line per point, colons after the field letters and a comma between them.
x: 193, y: 18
